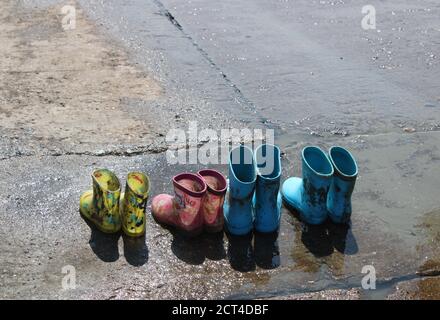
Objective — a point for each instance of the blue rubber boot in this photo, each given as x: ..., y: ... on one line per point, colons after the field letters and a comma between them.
x: 238, y: 210
x: 341, y: 188
x: 309, y: 195
x: 267, y: 199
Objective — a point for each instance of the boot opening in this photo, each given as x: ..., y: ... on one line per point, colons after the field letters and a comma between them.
x: 138, y: 183
x: 241, y: 161
x: 268, y: 161
x: 190, y: 183
x: 343, y: 161
x: 317, y: 160
x: 107, y: 180
x: 214, y: 179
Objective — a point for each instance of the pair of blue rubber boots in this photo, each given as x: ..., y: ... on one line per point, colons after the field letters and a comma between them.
x: 326, y: 187
x: 253, y: 199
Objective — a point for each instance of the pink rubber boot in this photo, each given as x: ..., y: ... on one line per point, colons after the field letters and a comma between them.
x: 212, y: 203
x: 183, y: 210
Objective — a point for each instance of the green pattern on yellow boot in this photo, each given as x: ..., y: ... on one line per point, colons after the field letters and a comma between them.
x: 101, y: 205
x: 134, y: 203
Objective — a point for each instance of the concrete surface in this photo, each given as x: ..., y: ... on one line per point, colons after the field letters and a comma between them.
x: 147, y: 66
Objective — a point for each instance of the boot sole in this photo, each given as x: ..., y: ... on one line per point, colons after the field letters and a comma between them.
x: 95, y: 224
x: 238, y: 232
x: 133, y: 235
x: 292, y: 209
x: 297, y: 213
x: 185, y: 233
x: 213, y: 229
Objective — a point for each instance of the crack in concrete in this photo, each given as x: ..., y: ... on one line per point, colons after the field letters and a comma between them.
x: 241, y: 98
x: 115, y: 153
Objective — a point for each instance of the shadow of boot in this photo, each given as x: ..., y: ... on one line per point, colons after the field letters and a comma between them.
x: 316, y: 239
x: 104, y: 245
x: 342, y: 238
x: 214, y: 246
x: 240, y: 252
x: 266, y: 250
x: 135, y: 250
x: 189, y: 250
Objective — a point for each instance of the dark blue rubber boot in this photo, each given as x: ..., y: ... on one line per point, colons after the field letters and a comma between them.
x: 267, y: 199
x: 341, y: 188
x: 309, y: 195
x: 238, y: 210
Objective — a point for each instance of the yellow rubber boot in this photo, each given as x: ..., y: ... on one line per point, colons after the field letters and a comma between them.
x: 101, y: 205
x: 134, y: 203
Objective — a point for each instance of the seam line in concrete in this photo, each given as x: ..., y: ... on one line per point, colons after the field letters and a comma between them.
x: 166, y: 13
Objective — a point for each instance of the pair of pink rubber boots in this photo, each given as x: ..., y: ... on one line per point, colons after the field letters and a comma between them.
x: 197, y: 204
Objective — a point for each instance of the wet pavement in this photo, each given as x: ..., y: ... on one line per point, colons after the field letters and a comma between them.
x: 306, y: 69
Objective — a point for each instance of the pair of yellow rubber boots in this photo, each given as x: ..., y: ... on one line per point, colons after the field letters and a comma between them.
x: 109, y: 210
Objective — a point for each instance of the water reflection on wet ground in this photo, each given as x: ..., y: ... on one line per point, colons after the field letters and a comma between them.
x: 299, y: 258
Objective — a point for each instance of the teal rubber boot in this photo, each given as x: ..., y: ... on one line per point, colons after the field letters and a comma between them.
x: 341, y: 188
x: 308, y: 195
x: 237, y: 209
x: 267, y: 199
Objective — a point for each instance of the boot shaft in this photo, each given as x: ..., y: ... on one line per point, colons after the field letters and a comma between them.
x: 106, y: 196
x: 238, y: 209
x: 267, y: 202
x: 135, y: 202
x: 242, y: 175
x: 341, y: 189
x: 317, y: 172
x: 268, y: 167
x: 212, y: 203
x: 189, y: 189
